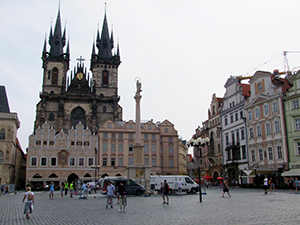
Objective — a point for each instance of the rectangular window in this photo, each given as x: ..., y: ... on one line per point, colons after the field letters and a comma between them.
x: 120, y: 147
x: 171, y: 163
x: 153, y: 136
x: 241, y: 114
x: 226, y: 139
x: 270, y: 151
x: 232, y: 138
x: 130, y: 147
x: 251, y: 133
x: 130, y: 161
x: 237, y: 132
x: 161, y: 162
x: 146, y: 148
x: 71, y: 161
x: 104, y: 162
x: 153, y: 148
x: 113, y: 161
x: 253, y: 155
x: 236, y: 116
x: 170, y: 149
x: 258, y: 128
x: 149, y: 127
x: 33, y: 161
x: 113, y: 136
x: 242, y: 133
x: 268, y: 128
x: 279, y: 152
x: 53, y: 161
x: 81, y: 161
x: 298, y: 148
x: 261, y: 156
x: 266, y: 108
x: 120, y: 161
x: 79, y: 143
x: 277, y: 127
x: 104, y: 135
x: 170, y: 139
x: 131, y: 136
x: 146, y: 161
x: 86, y: 143
x: 297, y: 124
x: 153, y: 161
x: 145, y: 136
x: 275, y: 107
x: 225, y: 121
x: 120, y: 136
x: 90, y: 161
x: 51, y: 142
x: 113, y: 147
x: 257, y: 113
x: 244, y: 154
x: 250, y: 115
x: 231, y: 118
x: 43, y: 161
x: 295, y: 105
x: 104, y: 146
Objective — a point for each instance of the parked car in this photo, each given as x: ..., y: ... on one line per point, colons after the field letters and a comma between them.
x: 132, y: 188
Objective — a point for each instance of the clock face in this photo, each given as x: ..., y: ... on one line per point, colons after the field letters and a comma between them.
x: 79, y: 76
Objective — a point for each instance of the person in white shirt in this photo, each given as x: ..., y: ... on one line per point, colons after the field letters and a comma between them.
x: 266, y: 185
x: 29, y: 201
x: 179, y: 185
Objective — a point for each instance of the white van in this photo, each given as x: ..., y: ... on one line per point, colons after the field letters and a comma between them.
x: 188, y: 186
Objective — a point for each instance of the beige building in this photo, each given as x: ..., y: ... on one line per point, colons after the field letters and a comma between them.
x: 12, y: 159
x: 160, y: 141
x: 183, y: 156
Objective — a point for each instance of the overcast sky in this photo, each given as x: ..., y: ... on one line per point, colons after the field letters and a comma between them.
x: 183, y: 51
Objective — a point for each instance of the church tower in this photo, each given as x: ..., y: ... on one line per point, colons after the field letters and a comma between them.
x: 78, y: 96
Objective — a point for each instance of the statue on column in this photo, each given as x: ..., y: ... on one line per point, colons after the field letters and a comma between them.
x: 138, y: 87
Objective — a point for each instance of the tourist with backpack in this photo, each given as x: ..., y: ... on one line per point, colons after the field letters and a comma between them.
x: 29, y: 202
x: 166, y: 189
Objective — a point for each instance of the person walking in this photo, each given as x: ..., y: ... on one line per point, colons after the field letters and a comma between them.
x: 225, y: 189
x: 85, y: 191
x: 296, y: 184
x: 272, y: 185
x: 122, y: 196
x: 110, y: 191
x: 179, y: 186
x: 62, y: 190
x: 266, y: 185
x: 291, y: 186
x: 51, y: 194
x: 71, y: 189
x: 66, y: 187
x: 165, y: 192
x: 29, y: 202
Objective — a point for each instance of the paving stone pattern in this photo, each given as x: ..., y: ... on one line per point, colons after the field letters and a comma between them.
x: 246, y: 206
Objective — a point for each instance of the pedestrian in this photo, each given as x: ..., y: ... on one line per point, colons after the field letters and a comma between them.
x: 110, y: 191
x: 291, y: 185
x: 29, y: 202
x: 51, y: 194
x: 85, y: 191
x: 225, y: 189
x: 296, y: 184
x: 7, y: 189
x: 179, y: 186
x: 2, y: 190
x: 122, y: 195
x: 71, y: 189
x: 272, y: 185
x: 62, y: 190
x: 266, y: 185
x: 66, y: 187
x: 166, y: 192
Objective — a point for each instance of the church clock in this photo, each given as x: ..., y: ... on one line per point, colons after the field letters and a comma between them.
x: 79, y: 76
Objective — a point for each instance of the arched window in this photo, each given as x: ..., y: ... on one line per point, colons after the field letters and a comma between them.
x: 77, y: 114
x: 54, y: 75
x: 105, y: 77
x: 51, y: 117
x: 1, y: 156
x: 2, y: 134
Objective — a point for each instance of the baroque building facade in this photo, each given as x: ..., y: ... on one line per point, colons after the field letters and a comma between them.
x: 12, y: 158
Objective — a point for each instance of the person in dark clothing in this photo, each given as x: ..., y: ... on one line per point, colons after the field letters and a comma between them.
x: 166, y: 192
x: 122, y: 192
x: 291, y: 186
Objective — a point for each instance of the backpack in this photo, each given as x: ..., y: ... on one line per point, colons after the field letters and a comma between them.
x: 30, y: 196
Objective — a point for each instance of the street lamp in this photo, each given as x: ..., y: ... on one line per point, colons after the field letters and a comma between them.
x: 199, y: 142
x: 96, y: 167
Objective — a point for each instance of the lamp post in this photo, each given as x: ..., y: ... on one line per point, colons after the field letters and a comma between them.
x: 96, y: 167
x: 199, y: 142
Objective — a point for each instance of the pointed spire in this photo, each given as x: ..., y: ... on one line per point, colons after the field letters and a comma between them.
x: 64, y: 35
x: 112, y: 38
x: 45, y: 47
x: 118, y: 49
x: 50, y: 34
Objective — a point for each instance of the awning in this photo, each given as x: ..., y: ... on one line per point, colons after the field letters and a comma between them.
x: 291, y: 173
x: 248, y: 172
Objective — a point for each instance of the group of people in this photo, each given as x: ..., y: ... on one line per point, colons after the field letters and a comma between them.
x: 4, y: 190
x: 121, y: 195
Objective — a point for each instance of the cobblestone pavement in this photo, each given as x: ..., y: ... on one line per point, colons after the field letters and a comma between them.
x: 246, y: 206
